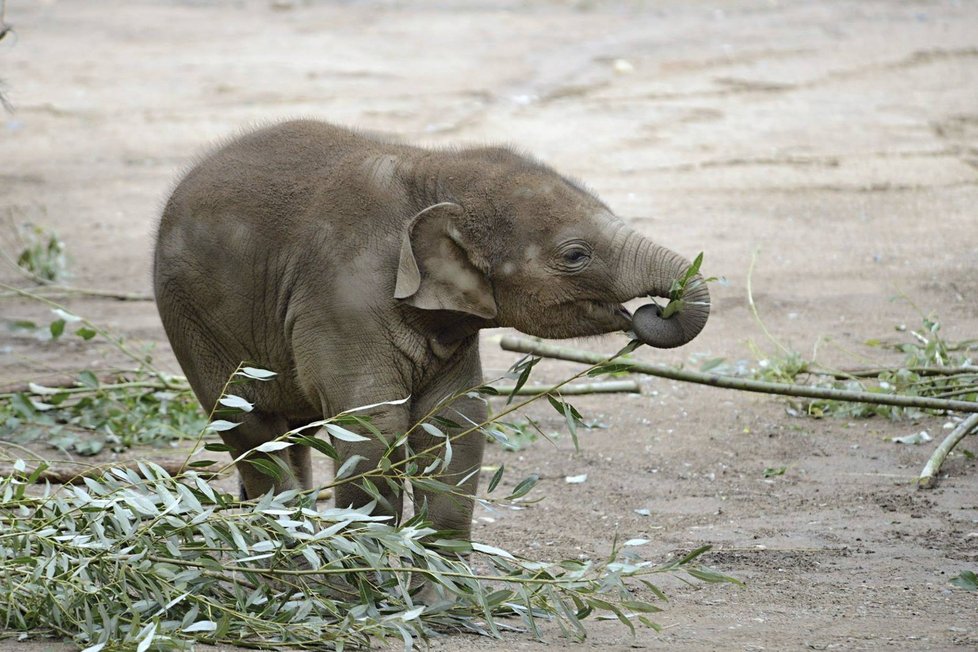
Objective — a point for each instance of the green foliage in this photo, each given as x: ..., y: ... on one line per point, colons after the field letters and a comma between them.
x: 967, y: 580
x: 137, y: 407
x: 117, y: 415
x: 571, y: 416
x: 149, y: 561
x: 521, y: 372
x: 514, y: 436
x: 931, y: 367
x: 42, y: 254
x: 682, y: 285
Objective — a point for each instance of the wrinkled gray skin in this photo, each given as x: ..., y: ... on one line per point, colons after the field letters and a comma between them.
x: 362, y: 271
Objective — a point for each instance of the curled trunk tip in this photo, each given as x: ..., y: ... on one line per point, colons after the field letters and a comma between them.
x: 666, y: 333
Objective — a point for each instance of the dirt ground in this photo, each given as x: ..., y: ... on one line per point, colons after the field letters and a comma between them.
x: 839, y: 140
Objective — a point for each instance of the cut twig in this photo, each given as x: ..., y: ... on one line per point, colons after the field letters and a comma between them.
x: 536, y: 347
x: 928, y: 477
x: 66, y: 292
x: 599, y: 387
x: 920, y: 371
x: 73, y: 387
x: 64, y: 476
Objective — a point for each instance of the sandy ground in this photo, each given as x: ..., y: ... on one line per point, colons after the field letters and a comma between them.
x: 837, y: 139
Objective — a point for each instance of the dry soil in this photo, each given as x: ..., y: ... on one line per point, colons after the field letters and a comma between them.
x: 837, y: 140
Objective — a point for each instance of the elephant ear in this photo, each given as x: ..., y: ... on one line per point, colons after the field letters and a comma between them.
x: 436, y: 269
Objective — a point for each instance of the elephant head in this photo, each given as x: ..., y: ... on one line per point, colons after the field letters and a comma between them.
x: 515, y: 244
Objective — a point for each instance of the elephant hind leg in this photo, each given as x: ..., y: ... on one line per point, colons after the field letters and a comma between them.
x: 257, y: 428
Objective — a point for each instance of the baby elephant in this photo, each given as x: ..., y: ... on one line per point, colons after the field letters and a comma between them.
x: 362, y: 270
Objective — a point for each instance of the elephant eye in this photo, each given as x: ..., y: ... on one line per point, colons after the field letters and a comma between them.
x: 574, y: 258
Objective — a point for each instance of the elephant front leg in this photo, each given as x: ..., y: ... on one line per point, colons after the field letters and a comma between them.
x: 453, y: 511
x: 392, y: 422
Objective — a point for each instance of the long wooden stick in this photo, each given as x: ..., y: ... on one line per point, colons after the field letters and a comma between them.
x: 67, y: 291
x: 600, y: 387
x: 920, y: 371
x: 928, y: 477
x: 547, y: 350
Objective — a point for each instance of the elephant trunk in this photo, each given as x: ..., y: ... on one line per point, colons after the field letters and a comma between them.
x: 647, y: 269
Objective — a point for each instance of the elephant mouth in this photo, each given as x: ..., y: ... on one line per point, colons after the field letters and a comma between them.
x: 596, y: 317
x: 620, y: 315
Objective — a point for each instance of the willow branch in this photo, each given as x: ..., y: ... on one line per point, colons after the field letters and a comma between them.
x: 928, y: 477
x: 599, y: 387
x: 72, y: 476
x: 546, y: 350
x: 920, y: 371
x: 66, y: 291
x: 75, y: 388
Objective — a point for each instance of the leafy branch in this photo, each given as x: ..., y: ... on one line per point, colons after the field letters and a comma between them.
x: 152, y: 561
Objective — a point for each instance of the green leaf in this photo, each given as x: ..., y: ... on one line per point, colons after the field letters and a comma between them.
x: 693, y: 555
x: 640, y: 607
x: 341, y: 433
x: 313, y: 442
x: 654, y: 589
x: 433, y: 430
x: 36, y: 473
x: 442, y: 422
x: 679, y: 285
x: 254, y: 373
x: 267, y: 466
x: 967, y: 580
x: 571, y: 416
x: 201, y: 626
x: 68, y: 317
x: 490, y: 550
x: 611, y: 368
x: 347, y: 467
x: 86, y: 333
x: 272, y: 446
x: 411, y: 614
x: 22, y: 406
x: 774, y: 471
x: 496, y: 477
x: 57, y: 328
x: 453, y: 545
x: 649, y: 623
x: 604, y: 605
x: 88, y: 379
x: 628, y: 348
x: 371, y: 489
x: 23, y: 324
x: 221, y: 425
x: 430, y: 484
x: 525, y: 366
x: 147, y: 640
x: 524, y: 487
x: 236, y: 403
x: 217, y: 447
x: 711, y: 576
x: 88, y: 447
x: 674, y: 306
